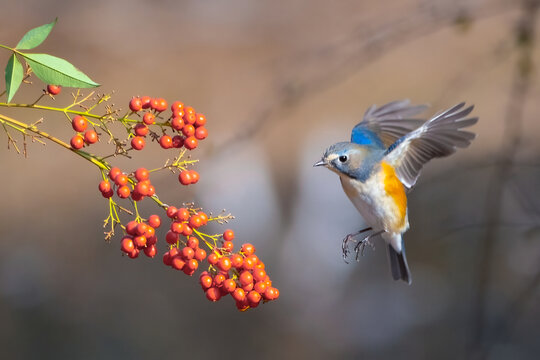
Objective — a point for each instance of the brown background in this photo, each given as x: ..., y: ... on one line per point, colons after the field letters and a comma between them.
x: 279, y: 81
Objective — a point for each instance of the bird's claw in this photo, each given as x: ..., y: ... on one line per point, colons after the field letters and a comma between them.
x: 345, y: 247
x: 360, y: 247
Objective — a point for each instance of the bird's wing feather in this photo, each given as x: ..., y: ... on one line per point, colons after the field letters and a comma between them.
x: 382, y: 126
x: 440, y: 136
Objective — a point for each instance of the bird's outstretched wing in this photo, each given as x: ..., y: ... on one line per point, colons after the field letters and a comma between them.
x: 437, y: 137
x: 382, y: 126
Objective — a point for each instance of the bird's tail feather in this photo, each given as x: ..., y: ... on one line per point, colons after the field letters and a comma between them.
x: 398, y: 265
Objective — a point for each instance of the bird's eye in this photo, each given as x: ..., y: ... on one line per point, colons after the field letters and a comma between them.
x: 343, y: 158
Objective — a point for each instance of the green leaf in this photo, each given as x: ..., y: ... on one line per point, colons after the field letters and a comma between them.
x: 35, y: 36
x: 14, y: 76
x: 53, y: 70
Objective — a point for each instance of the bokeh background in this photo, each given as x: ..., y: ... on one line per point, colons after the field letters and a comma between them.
x: 279, y: 81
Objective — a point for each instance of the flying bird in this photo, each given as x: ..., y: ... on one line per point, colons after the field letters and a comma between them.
x: 382, y: 162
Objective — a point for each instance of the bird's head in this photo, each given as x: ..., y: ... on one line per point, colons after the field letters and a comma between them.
x: 345, y: 158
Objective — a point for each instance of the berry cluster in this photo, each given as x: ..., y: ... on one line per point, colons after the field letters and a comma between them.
x: 141, y: 236
x: 140, y: 180
x: 80, y: 124
x: 188, y: 124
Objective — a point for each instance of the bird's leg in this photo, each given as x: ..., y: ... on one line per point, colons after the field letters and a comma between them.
x: 359, y: 248
x: 348, y: 239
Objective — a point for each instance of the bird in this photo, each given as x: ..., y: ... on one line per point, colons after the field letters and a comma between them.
x: 382, y: 162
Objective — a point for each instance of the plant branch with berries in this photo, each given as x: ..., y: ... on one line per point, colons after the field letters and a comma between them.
x: 178, y: 128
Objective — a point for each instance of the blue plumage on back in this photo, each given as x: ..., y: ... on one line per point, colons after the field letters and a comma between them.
x: 383, y: 126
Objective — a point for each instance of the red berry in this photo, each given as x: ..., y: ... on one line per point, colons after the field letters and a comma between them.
x: 142, y: 188
x: 193, y: 242
x: 228, y: 246
x: 121, y: 179
x: 219, y: 279
x: 151, y: 190
x: 188, y: 253
x: 213, y: 294
x: 138, y: 143
x: 77, y: 142
x: 185, y: 177
x: 139, y: 241
x: 228, y: 235
x: 154, y: 221
x: 248, y: 249
x: 126, y: 245
x: 150, y: 251
x: 165, y: 141
x: 229, y: 285
x: 177, y: 263
x: 123, y: 191
x: 194, y: 176
x: 187, y: 230
x: 259, y: 274
x: 131, y: 227
x: 114, y: 172
x: 177, y: 227
x: 213, y: 259
x: 182, y: 214
x: 152, y: 240
x: 177, y: 123
x: 191, y: 143
x: 171, y: 212
x: 159, y: 104
x: 206, y: 281
x: 149, y: 118
x: 270, y: 293
x: 248, y: 263
x: 195, y: 221
x: 203, y: 217
x: 141, y: 174
x: 171, y: 237
x: 200, y: 120
x: 135, y: 104
x: 192, y: 264
x: 134, y: 254
x: 141, y: 129
x: 177, y: 106
x: 146, y: 102
x: 108, y: 194
x: 189, y: 118
x: 224, y: 263
x: 189, y: 110
x: 79, y: 123
x: 90, y: 137
x: 260, y: 287
x: 104, y: 186
x: 177, y: 141
x: 237, y: 261
x: 188, y: 130
x: 239, y: 294
x: 253, y: 297
x: 200, y: 254
x: 201, y: 133
x: 54, y: 89
x: 246, y: 278
x: 141, y: 228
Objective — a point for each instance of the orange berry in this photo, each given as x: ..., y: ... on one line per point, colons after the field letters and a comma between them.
x: 90, y: 137
x: 177, y: 106
x: 228, y: 246
x: 213, y: 294
x: 139, y: 241
x: 79, y: 123
x: 177, y: 123
x: 239, y: 294
x: 237, y: 261
x: 54, y: 89
x: 149, y: 118
x: 77, y: 142
x: 185, y: 177
x: 150, y: 251
x: 228, y: 235
x: 253, y: 297
x: 201, y: 133
x: 165, y: 141
x: 141, y: 129
x: 224, y: 264
x: 260, y: 287
x: 191, y: 143
x: 171, y: 212
x: 206, y: 281
x: 177, y: 227
x: 259, y: 274
x: 154, y: 221
x: 203, y: 217
x: 187, y: 230
x: 114, y: 172
x: 200, y: 254
x: 135, y: 104
x: 188, y: 130
x: 193, y: 242
x: 141, y: 174
x: 229, y: 285
x: 188, y: 253
x: 213, y: 259
x: 248, y: 249
x: 121, y: 179
x: 194, y: 176
x: 219, y: 279
x: 138, y: 143
x: 195, y: 221
x: 271, y: 293
x: 123, y: 191
x: 126, y: 245
x: 104, y: 186
x: 200, y: 119
x: 246, y: 278
x: 177, y: 263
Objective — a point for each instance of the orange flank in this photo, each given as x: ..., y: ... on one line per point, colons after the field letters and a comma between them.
x: 395, y: 189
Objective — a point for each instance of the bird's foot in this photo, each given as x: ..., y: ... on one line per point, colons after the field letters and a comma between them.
x: 347, y: 240
x: 360, y: 247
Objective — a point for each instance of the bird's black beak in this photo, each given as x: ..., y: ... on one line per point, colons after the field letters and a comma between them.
x: 320, y: 163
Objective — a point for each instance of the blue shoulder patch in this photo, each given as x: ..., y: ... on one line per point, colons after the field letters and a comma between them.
x: 394, y: 145
x: 363, y: 136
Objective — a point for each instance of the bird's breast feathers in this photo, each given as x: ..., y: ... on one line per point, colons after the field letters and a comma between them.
x: 381, y: 199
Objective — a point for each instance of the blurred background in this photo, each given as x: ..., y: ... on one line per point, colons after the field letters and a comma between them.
x: 279, y: 81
